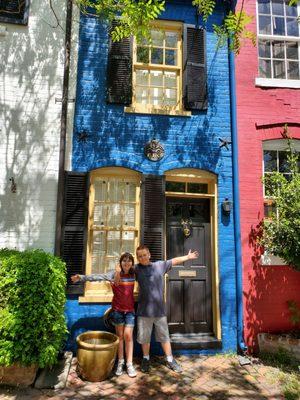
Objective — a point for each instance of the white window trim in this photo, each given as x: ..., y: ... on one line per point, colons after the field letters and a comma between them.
x: 273, y: 82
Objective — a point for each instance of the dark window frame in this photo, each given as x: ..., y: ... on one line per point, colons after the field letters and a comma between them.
x: 10, y: 17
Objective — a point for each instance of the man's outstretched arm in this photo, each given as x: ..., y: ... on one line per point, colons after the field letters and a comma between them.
x: 190, y: 256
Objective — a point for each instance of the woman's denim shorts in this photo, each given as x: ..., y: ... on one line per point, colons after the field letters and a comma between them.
x: 123, y: 318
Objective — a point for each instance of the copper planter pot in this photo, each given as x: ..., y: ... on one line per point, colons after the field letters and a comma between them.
x: 96, y: 354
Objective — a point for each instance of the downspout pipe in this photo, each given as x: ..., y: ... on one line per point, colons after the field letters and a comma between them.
x: 63, y: 130
x: 236, y: 200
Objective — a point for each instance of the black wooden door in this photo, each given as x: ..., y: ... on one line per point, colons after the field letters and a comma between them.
x: 189, y: 285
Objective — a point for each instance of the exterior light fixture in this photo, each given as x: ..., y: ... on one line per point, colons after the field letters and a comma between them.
x: 226, y: 206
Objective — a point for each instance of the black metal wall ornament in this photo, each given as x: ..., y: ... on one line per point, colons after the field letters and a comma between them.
x: 186, y: 227
x: 153, y: 150
x: 13, y: 185
x: 225, y: 142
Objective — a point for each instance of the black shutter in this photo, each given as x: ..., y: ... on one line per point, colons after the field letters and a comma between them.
x: 194, y: 69
x: 14, y: 11
x: 119, y: 71
x: 74, y: 230
x: 153, y: 215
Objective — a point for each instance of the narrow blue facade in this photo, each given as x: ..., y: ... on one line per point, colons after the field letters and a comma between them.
x: 116, y: 138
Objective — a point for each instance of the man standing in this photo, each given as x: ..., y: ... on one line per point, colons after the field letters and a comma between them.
x: 151, y: 305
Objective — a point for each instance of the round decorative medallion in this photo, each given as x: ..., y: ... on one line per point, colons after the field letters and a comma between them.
x: 154, y: 151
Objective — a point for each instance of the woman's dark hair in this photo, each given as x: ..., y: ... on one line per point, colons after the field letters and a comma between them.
x: 127, y: 257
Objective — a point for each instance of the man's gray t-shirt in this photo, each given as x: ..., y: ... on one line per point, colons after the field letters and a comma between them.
x: 151, y: 288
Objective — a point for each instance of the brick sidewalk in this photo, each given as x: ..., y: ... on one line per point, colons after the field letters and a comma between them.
x: 203, y: 378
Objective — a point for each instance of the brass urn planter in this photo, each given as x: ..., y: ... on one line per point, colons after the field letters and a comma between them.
x: 96, y: 354
x: 18, y: 375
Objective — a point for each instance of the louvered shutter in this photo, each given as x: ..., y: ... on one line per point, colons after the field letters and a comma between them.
x: 119, y: 71
x: 153, y: 215
x: 194, y: 69
x: 14, y: 11
x: 74, y: 231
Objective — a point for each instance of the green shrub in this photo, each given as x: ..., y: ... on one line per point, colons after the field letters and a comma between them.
x: 32, y: 300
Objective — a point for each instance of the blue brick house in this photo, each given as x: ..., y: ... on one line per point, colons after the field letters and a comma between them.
x: 147, y: 167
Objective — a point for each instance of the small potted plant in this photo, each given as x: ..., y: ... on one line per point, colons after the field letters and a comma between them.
x: 32, y: 321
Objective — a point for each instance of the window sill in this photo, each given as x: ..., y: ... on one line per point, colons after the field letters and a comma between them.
x: 269, y: 259
x: 157, y: 111
x: 279, y: 83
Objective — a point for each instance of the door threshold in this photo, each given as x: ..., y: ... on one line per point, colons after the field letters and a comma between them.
x: 197, y: 341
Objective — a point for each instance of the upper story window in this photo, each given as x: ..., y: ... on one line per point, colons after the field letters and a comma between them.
x: 14, y: 11
x: 278, y: 39
x: 157, y: 70
x: 165, y: 75
x: 275, y: 160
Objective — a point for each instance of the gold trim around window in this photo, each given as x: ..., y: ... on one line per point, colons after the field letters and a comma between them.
x: 113, y: 225
x: 157, y: 72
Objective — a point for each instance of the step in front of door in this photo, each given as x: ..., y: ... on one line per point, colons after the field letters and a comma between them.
x: 189, y: 341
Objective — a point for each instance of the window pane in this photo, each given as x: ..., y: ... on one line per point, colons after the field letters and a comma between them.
x: 290, y: 10
x: 142, y: 54
x: 156, y: 96
x: 100, y: 214
x: 171, y: 39
x: 98, y: 265
x: 175, y: 187
x: 263, y: 6
x: 277, y: 7
x: 265, y: 25
x: 278, y: 70
x: 278, y: 49
x: 283, y: 163
x: 130, y: 191
x: 278, y: 26
x: 170, y: 79
x: 171, y: 57
x: 264, y: 49
x: 157, y: 56
x: 156, y: 78
x: 128, y: 242
x: 292, y: 70
x: 98, y: 243
x: 197, y: 188
x: 265, y: 68
x: 292, y: 51
x: 129, y: 215
x: 141, y: 95
x: 113, y: 243
x: 270, y: 160
x: 142, y: 77
x: 114, y: 218
x: 292, y: 27
x: 115, y: 192
x: 170, y: 97
x: 100, y: 190
x: 157, y: 38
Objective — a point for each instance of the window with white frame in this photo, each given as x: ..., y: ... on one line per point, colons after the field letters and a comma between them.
x: 275, y: 160
x: 113, y: 218
x: 278, y: 39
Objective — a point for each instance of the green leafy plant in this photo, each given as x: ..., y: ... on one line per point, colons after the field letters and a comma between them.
x: 294, y: 310
x: 281, y: 231
x: 135, y: 18
x: 32, y: 300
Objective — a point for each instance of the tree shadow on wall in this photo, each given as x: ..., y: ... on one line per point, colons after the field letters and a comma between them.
x: 32, y: 78
x: 266, y: 294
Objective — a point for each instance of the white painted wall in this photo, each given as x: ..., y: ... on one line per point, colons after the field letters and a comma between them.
x: 31, y: 75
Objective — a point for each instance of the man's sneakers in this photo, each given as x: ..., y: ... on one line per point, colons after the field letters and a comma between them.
x: 173, y: 365
x: 145, y: 366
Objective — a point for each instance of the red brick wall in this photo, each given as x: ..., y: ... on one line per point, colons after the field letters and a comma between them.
x: 259, y: 110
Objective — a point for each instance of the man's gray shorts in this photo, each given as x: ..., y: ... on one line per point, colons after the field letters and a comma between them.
x: 145, y: 325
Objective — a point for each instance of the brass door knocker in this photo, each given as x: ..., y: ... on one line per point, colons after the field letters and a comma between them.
x: 186, y: 227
